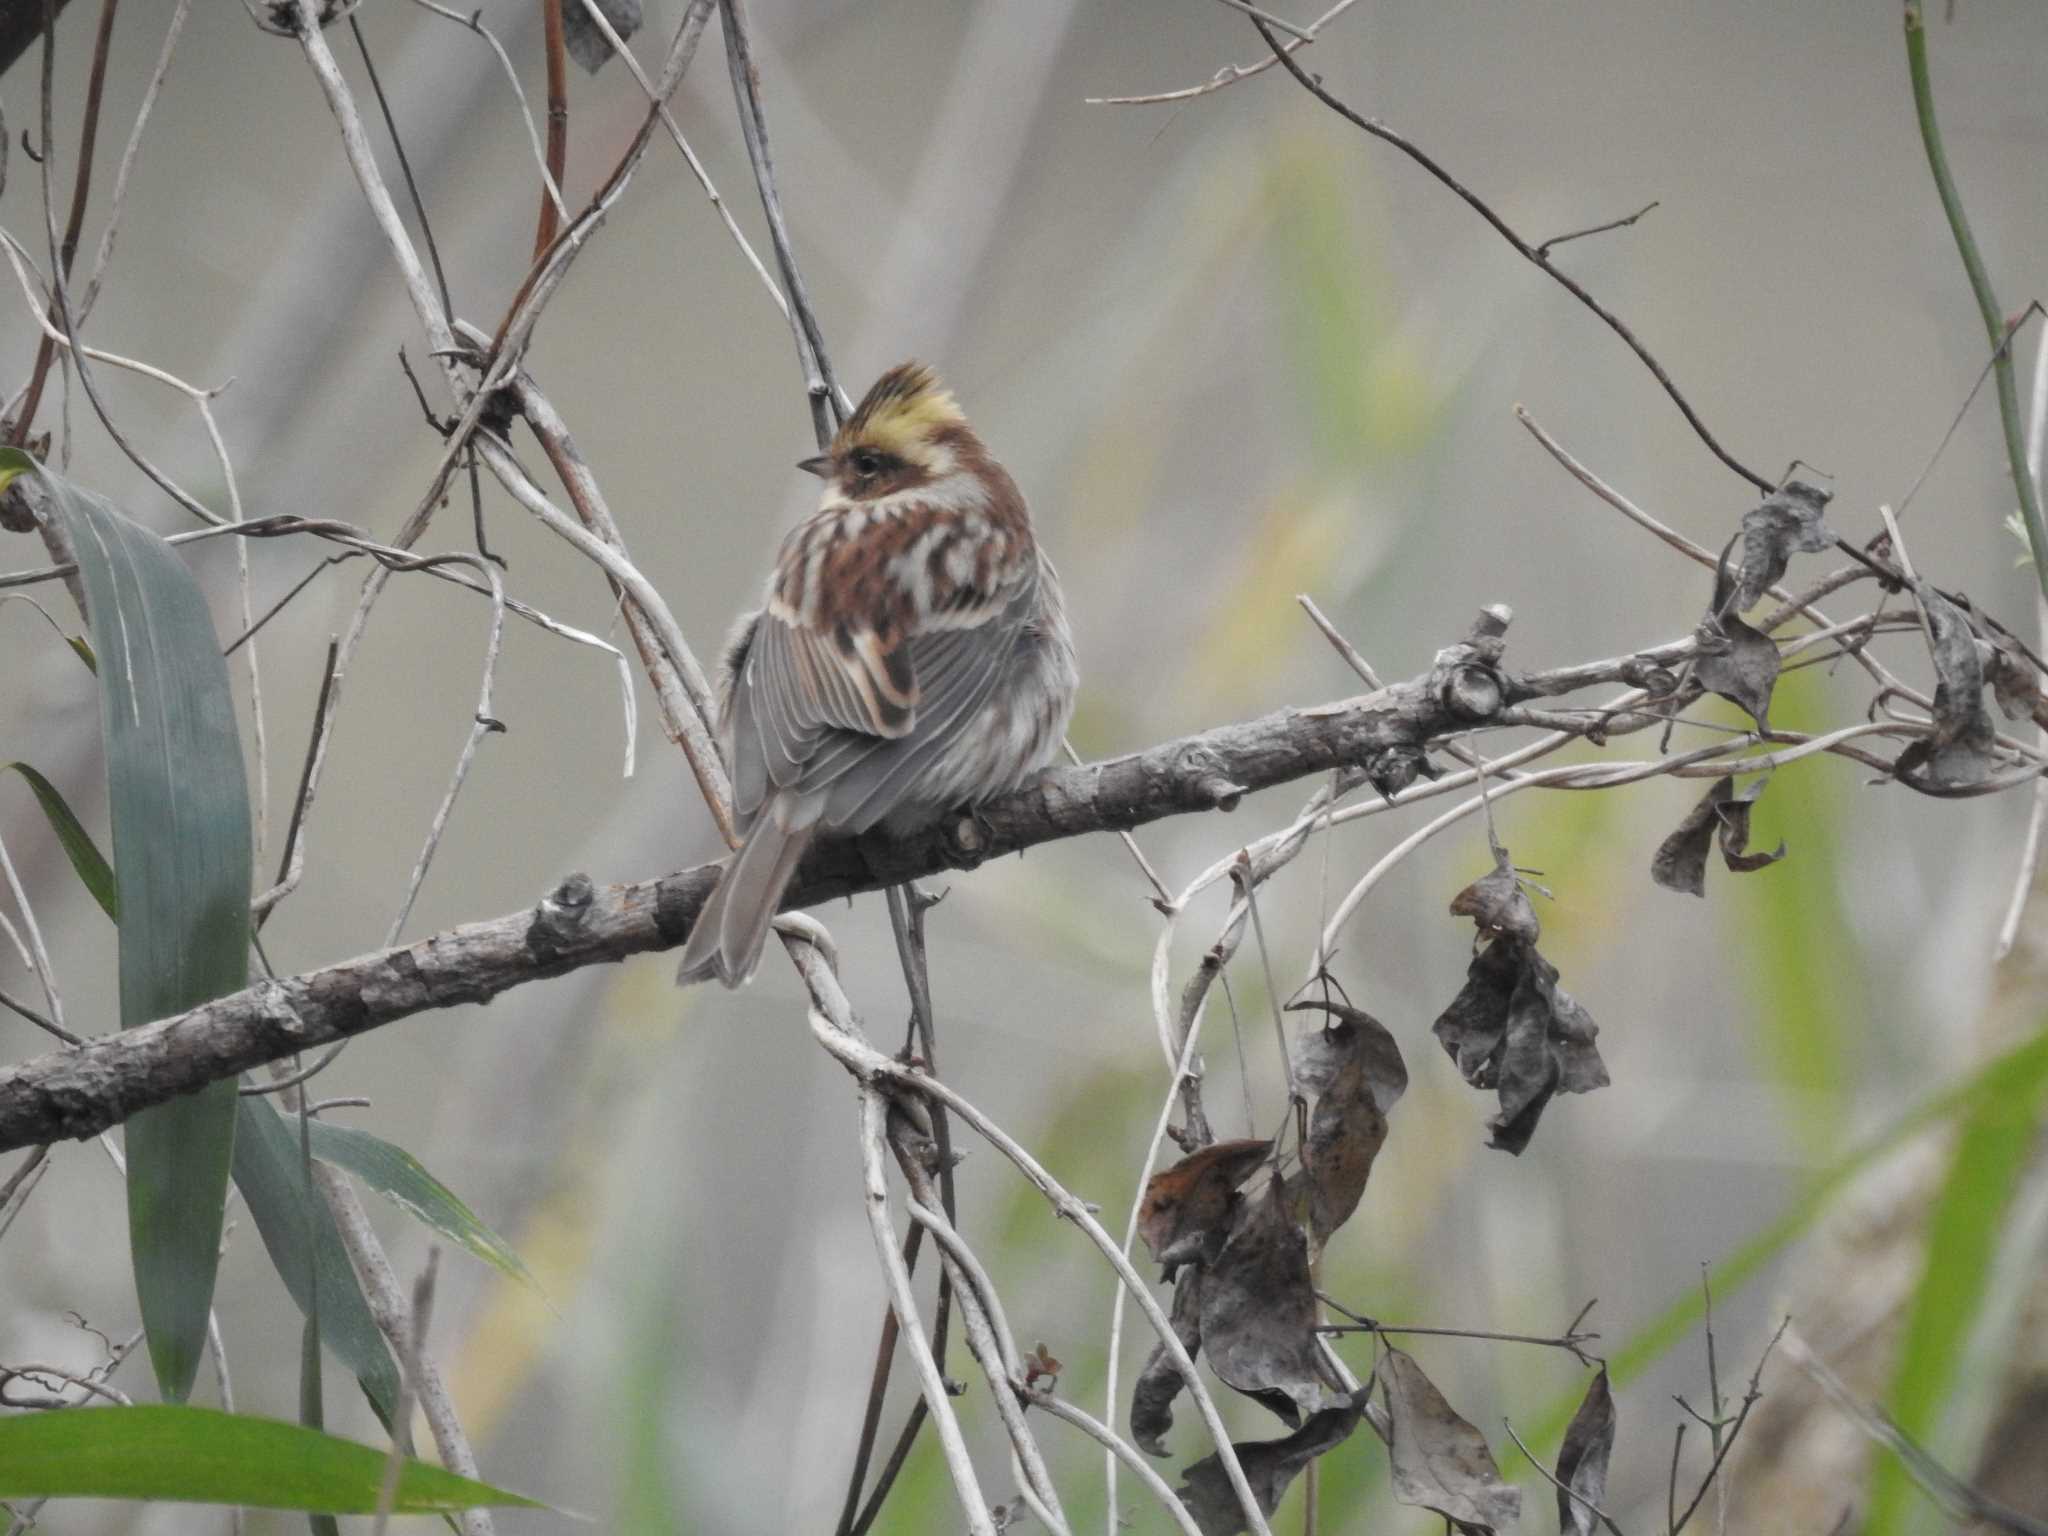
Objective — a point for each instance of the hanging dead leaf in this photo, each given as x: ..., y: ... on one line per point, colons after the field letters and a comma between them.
x: 1787, y: 523
x: 1355, y: 1035
x: 1354, y: 1069
x: 1269, y: 1466
x: 1738, y: 663
x: 1680, y: 863
x: 1963, y: 751
x: 1186, y: 1213
x: 1582, y: 1460
x: 1259, y: 1312
x: 1474, y: 1026
x: 1440, y: 1462
x: 1513, y: 1029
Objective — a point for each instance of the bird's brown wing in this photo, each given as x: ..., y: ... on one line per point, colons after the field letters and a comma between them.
x: 801, y: 725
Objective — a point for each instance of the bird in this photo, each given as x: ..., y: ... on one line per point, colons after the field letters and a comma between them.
x: 910, y: 657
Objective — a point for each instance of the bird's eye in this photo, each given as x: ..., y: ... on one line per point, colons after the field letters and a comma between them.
x: 867, y: 462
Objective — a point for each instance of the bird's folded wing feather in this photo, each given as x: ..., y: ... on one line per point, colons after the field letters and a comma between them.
x: 809, y: 714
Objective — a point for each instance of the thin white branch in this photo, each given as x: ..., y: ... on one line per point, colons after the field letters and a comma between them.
x: 1121, y: 1450
x: 474, y: 23
x: 128, y: 156
x: 33, y: 954
x: 1229, y: 74
x: 994, y: 1347
x: 481, y: 725
x: 660, y: 100
x: 833, y: 1026
x: 873, y: 1118
x: 1116, y: 1308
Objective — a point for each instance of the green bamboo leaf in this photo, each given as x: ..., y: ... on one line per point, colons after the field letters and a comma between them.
x: 179, y: 804
x: 1963, y: 1231
x: 93, y: 871
x: 396, y: 1174
x: 273, y: 1182
x: 203, y: 1456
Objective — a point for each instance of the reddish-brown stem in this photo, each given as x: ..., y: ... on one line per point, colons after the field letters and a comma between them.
x: 81, y: 187
x: 558, y: 122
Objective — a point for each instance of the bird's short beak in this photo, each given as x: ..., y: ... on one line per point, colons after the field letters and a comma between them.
x: 821, y: 466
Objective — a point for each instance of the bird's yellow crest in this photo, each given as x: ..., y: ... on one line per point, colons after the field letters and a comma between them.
x: 906, y: 407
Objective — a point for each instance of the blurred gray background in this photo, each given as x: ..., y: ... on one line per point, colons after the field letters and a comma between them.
x: 1233, y: 350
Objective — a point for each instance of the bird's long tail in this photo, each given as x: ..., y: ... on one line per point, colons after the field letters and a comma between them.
x: 733, y: 927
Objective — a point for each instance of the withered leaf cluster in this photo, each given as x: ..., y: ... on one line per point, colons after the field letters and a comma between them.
x: 1239, y: 1259
x: 1512, y: 1029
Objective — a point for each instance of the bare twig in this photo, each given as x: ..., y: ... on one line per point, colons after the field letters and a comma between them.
x: 1750, y: 1399
x: 81, y: 188
x: 105, y: 252
x: 1229, y: 74
x: 481, y: 724
x: 555, y: 45
x: 1123, y: 1451
x: 834, y: 1027
x: 1598, y: 229
x: 412, y: 186
x: 1527, y: 252
x: 1280, y: 23
x: 35, y: 957
x: 829, y: 403
x: 1571, y: 1493
x: 873, y: 1118
x: 1995, y: 328
x: 394, y: 1319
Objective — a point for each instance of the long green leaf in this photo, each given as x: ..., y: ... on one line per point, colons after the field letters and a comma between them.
x: 397, y: 1174
x: 179, y: 804
x: 91, y: 867
x: 269, y: 1174
x: 1650, y: 1342
x: 1963, y: 1231
x: 203, y: 1456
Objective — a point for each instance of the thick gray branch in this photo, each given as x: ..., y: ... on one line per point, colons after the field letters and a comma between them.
x: 81, y: 1091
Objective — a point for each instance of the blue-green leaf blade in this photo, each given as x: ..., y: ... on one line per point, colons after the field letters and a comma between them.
x: 289, y: 1216
x: 200, y: 1455
x: 396, y: 1174
x: 179, y: 806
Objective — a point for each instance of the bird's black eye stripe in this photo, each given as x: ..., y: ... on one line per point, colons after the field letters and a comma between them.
x: 867, y: 462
